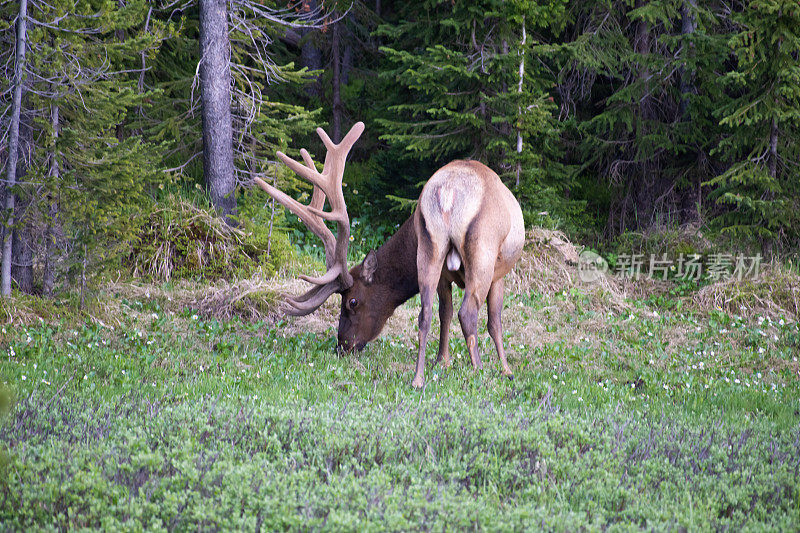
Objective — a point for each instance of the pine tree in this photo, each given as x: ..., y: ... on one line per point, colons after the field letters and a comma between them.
x: 465, y: 95
x: 761, y: 189
x: 266, y: 109
x: 79, y: 91
x: 638, y: 89
x: 12, y: 149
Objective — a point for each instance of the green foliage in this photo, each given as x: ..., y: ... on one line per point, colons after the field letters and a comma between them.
x: 175, y: 421
x: 458, y: 68
x: 657, y: 242
x: 184, y: 241
x: 87, y: 180
x: 632, y: 115
x: 761, y: 188
x: 267, y: 114
x: 638, y: 88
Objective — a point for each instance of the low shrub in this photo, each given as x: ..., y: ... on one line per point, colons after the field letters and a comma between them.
x: 672, y: 241
x: 775, y: 292
x: 185, y: 241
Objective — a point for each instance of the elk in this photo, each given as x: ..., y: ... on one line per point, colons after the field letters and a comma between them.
x: 467, y: 229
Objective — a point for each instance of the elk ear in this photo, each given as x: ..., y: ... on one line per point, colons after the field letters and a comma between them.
x: 370, y: 266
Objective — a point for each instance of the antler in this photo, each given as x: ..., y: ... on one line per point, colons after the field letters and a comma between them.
x: 328, y: 184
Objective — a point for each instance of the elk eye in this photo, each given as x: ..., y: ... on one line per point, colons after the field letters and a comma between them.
x: 353, y: 303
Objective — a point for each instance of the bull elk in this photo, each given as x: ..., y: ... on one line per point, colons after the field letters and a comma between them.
x: 467, y: 229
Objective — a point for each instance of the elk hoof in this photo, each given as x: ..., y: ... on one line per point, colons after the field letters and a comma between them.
x: 445, y: 362
x: 418, y: 382
x: 509, y: 375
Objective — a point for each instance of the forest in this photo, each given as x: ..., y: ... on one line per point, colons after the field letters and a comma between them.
x: 151, y: 377
x: 605, y: 118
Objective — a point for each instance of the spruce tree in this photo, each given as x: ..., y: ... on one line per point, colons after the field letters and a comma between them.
x: 473, y: 83
x: 79, y: 91
x: 760, y: 191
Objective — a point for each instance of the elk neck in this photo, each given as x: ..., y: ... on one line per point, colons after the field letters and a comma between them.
x: 397, y: 264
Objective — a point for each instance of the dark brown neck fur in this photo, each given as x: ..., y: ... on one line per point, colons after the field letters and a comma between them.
x: 397, y: 264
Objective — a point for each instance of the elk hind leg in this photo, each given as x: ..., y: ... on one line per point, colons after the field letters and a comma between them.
x: 476, y: 286
x: 494, y: 303
x: 430, y: 259
x: 445, y: 292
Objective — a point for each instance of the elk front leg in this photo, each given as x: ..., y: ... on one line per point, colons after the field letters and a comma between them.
x: 445, y: 292
x: 494, y: 303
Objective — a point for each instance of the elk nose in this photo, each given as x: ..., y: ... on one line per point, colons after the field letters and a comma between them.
x: 343, y: 345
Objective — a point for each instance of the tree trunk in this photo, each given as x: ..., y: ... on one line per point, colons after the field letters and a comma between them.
x: 378, y: 41
x: 215, y: 87
x: 766, y: 244
x: 644, y: 184
x: 688, y: 26
x: 22, y: 248
x: 336, y: 80
x: 23, y: 242
x: 13, y: 146
x: 519, y: 108
x: 54, y: 174
x: 691, y: 196
x: 120, y: 35
x: 773, y: 150
x: 311, y: 56
x: 347, y: 61
x: 140, y: 85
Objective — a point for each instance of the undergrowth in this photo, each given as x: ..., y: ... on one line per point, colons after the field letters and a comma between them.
x: 184, y: 241
x: 632, y: 420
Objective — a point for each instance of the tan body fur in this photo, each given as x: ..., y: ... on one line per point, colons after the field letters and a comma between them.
x: 465, y: 209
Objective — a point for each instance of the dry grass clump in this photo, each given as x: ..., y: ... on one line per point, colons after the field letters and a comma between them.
x: 549, y: 265
x: 253, y: 299
x: 776, y: 291
x: 20, y: 311
x: 180, y: 232
x: 659, y: 240
x: 183, y: 240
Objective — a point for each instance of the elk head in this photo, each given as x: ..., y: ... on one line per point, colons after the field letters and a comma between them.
x: 358, y: 323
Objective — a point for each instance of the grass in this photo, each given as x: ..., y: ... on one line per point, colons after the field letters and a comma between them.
x: 640, y: 418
